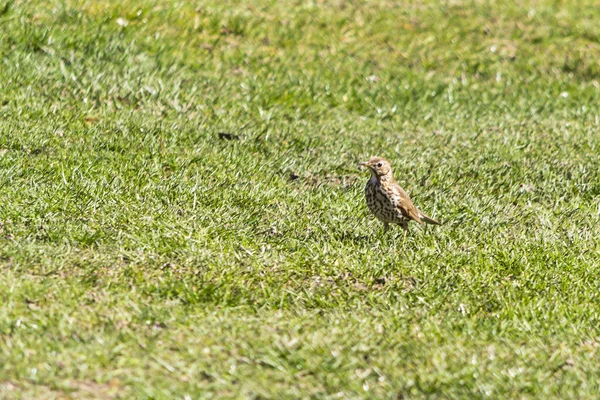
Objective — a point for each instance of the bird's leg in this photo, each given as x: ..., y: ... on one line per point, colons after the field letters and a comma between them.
x: 405, y: 227
x: 386, y: 227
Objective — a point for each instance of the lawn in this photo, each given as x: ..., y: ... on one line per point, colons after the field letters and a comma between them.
x: 182, y: 213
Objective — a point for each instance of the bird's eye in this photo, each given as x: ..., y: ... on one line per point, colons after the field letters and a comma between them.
x: 379, y: 165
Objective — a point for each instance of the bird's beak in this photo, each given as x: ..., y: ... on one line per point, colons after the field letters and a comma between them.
x: 364, y: 164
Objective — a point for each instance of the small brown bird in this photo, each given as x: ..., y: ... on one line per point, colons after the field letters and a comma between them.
x: 387, y: 200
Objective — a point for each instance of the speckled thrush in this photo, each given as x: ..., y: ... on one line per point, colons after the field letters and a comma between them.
x: 387, y: 200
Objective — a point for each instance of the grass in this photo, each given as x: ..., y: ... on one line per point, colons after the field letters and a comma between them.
x: 182, y: 216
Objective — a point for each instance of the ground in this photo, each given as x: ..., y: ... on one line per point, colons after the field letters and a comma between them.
x: 182, y: 213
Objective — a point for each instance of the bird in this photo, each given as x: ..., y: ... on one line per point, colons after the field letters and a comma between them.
x: 388, y: 201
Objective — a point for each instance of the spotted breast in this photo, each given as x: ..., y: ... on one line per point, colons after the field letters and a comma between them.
x: 383, y: 203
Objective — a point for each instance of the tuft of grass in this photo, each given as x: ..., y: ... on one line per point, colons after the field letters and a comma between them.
x: 182, y: 216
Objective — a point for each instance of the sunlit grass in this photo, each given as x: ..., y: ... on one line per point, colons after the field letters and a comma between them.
x: 181, y: 211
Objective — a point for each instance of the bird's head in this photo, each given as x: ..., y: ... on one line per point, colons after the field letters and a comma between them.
x: 379, y: 167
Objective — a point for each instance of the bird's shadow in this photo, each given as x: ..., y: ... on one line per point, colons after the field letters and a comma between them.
x: 355, y: 238
x: 371, y: 239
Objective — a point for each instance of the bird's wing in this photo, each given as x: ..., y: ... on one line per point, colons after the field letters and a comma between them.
x: 405, y: 205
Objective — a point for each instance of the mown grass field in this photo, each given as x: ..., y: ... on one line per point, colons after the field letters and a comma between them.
x: 182, y: 215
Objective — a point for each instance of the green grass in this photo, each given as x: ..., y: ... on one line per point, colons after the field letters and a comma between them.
x: 145, y: 254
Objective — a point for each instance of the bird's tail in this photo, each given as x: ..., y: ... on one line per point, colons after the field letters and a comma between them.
x: 428, y: 220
